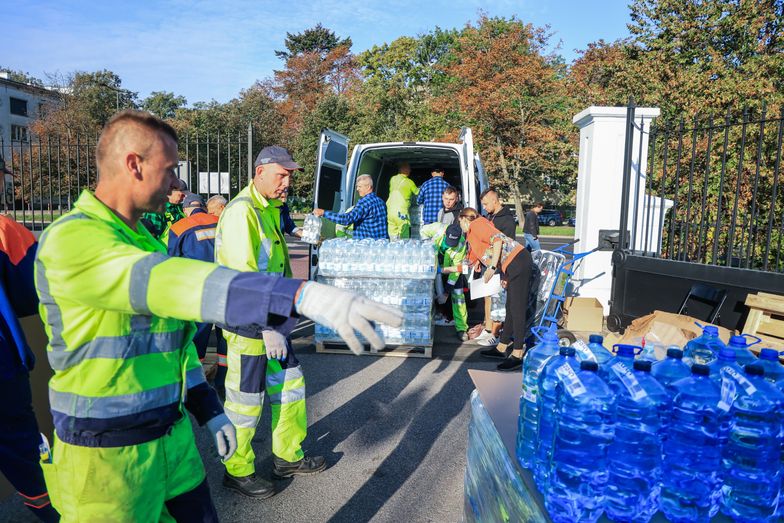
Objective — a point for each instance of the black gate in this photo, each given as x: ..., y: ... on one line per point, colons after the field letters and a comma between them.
x: 708, y: 209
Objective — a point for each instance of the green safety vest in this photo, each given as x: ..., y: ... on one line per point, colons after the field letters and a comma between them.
x: 114, y: 343
x: 248, y: 237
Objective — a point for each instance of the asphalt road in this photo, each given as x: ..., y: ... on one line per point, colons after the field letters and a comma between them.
x: 393, y: 430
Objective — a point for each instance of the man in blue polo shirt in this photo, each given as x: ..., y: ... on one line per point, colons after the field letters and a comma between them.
x: 369, y: 215
x: 430, y: 196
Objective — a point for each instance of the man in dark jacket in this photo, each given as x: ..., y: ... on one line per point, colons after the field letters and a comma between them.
x: 503, y: 220
x: 19, y: 437
x: 531, y: 226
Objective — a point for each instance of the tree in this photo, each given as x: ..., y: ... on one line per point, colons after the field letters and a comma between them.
x: 317, y: 39
x: 22, y: 77
x: 163, y: 104
x: 515, y: 98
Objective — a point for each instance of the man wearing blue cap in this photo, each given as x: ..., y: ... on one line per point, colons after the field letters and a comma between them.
x: 249, y: 238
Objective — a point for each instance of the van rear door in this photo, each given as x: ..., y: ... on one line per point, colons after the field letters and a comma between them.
x: 470, y: 196
x: 329, y: 184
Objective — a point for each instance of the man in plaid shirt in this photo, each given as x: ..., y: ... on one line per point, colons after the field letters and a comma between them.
x: 369, y: 215
x: 430, y: 196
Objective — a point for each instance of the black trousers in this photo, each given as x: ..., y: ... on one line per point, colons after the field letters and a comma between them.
x: 518, y: 282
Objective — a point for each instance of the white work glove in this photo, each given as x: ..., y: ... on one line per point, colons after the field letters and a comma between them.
x: 274, y: 345
x: 225, y: 435
x: 344, y: 312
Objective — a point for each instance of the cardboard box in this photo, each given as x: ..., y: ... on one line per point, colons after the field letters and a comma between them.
x: 583, y: 314
x: 663, y: 329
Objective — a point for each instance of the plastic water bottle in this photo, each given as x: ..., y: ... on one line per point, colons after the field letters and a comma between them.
x: 642, y: 412
x: 774, y: 370
x: 623, y: 354
x: 723, y: 363
x: 705, y: 348
x: 545, y: 405
x: 583, y: 433
x: 670, y: 369
x: 600, y: 352
x: 527, y: 424
x: 751, y: 459
x: 742, y: 353
x: 696, y: 434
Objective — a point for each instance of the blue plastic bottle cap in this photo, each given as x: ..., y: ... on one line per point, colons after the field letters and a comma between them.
x: 710, y: 329
x: 738, y: 340
x: 567, y: 351
x: 675, y: 353
x: 769, y: 354
x: 726, y: 353
x: 588, y: 365
x: 700, y: 370
x: 754, y: 369
x: 642, y: 365
x: 596, y: 338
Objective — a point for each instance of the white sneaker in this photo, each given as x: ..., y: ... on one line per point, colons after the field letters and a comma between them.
x: 490, y: 341
x: 483, y: 335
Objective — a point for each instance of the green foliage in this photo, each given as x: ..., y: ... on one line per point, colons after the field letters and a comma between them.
x: 163, y: 104
x: 22, y: 77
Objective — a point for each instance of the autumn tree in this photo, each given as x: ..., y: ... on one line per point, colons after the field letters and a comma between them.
x: 514, y: 97
x: 317, y: 39
x: 163, y: 104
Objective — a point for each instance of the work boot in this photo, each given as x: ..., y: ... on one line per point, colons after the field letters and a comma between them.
x: 252, y: 486
x: 307, y: 465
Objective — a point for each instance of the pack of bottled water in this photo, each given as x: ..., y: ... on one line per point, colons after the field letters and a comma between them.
x: 311, y: 229
x: 409, y: 259
x: 498, y: 306
x: 399, y: 274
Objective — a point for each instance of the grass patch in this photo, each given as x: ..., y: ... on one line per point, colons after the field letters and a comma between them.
x: 558, y: 230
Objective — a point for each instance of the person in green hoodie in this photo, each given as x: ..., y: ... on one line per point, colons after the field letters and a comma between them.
x: 401, y: 190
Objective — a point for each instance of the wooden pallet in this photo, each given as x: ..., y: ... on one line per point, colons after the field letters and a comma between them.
x: 400, y: 351
x: 766, y: 319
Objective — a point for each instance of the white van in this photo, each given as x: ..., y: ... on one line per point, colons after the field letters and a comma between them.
x: 336, y: 175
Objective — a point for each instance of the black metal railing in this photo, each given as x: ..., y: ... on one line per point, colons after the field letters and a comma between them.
x: 711, y: 191
x: 43, y: 176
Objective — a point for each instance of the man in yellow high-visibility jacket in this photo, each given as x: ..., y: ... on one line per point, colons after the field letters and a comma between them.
x: 249, y: 238
x: 121, y: 349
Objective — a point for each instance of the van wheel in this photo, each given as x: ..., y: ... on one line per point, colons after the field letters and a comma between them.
x: 566, y: 338
x: 551, y: 222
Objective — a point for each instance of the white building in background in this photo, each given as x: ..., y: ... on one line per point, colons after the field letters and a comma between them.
x: 20, y: 105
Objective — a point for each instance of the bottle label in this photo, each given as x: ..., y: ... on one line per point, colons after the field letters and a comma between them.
x: 570, y: 380
x: 529, y: 396
x: 582, y: 347
x: 727, y: 393
x: 629, y: 381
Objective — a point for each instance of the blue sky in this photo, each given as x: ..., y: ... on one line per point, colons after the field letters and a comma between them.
x: 212, y: 49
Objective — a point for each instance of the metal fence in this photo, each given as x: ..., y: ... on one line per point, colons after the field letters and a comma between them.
x: 711, y: 191
x: 43, y: 176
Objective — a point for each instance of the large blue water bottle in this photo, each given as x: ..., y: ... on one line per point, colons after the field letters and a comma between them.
x: 742, y: 353
x: 545, y: 405
x: 670, y: 369
x: 724, y: 361
x: 696, y: 434
x: 534, y: 361
x: 600, y: 352
x: 583, y: 433
x: 751, y: 464
x: 774, y: 370
x: 642, y: 412
x: 705, y: 348
x: 624, y: 354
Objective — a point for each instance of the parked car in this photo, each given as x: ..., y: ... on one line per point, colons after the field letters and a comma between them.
x: 572, y: 221
x: 550, y: 217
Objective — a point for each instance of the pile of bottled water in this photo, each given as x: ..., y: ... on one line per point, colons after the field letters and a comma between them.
x: 311, y: 229
x: 399, y: 274
x: 688, y: 441
x: 412, y: 259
